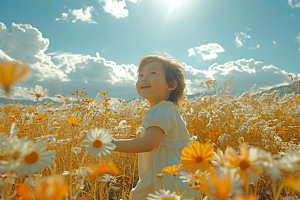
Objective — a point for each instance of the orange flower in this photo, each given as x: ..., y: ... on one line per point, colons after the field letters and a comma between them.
x: 52, y: 82
x: 104, y: 92
x: 289, y: 89
x: 159, y: 175
x: 293, y: 183
x: 247, y: 161
x: 172, y: 170
x: 72, y: 93
x: 25, y: 191
x: 89, y: 100
x: 112, y: 169
x: 73, y: 120
x: 41, y: 116
x: 13, y: 73
x: 102, y: 168
x: 197, y: 156
x: 51, y: 188
x: 221, y: 183
x: 105, y: 103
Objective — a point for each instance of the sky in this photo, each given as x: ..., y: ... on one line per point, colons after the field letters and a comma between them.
x: 96, y: 43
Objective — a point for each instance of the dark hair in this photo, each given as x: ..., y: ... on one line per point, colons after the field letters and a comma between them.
x: 174, y: 70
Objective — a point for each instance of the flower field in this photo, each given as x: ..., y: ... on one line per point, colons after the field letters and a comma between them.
x: 242, y: 147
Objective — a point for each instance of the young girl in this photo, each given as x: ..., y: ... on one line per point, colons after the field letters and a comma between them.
x: 161, y: 82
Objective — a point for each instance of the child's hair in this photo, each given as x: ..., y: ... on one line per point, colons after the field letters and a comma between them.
x: 174, y: 71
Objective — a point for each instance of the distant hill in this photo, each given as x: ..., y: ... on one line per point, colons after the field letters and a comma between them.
x: 282, y: 89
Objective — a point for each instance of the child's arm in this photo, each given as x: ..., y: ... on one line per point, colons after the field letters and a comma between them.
x: 142, y: 144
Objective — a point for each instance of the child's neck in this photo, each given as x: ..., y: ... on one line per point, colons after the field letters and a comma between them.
x: 157, y: 101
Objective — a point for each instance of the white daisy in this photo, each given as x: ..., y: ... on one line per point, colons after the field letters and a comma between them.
x: 163, y: 194
x: 98, y: 142
x: 34, y: 158
x: 39, y: 92
x: 64, y: 141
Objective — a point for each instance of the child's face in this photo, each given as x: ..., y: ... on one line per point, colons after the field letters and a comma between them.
x: 153, y: 75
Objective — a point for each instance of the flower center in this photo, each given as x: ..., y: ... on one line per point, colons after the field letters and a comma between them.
x: 244, y: 165
x: 168, y: 198
x: 38, y: 95
x: 199, y: 159
x: 31, y: 158
x: 97, y: 143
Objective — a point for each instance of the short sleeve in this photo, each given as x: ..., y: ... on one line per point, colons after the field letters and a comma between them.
x: 160, y: 118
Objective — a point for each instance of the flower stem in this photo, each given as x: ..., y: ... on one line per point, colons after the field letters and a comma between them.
x: 176, y: 184
x: 162, y: 184
x: 36, y: 103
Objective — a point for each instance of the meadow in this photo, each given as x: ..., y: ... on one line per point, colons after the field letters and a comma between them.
x: 243, y: 146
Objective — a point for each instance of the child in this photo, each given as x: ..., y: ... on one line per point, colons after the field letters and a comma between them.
x: 161, y: 82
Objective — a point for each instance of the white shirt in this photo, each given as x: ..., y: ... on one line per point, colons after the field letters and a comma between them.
x: 167, y: 153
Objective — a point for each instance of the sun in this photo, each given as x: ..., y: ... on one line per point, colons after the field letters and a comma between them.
x: 173, y: 4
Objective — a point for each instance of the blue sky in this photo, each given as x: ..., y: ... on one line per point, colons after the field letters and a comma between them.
x: 96, y: 44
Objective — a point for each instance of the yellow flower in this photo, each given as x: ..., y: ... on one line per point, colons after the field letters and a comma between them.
x: 89, y: 100
x: 221, y: 183
x: 13, y: 73
x: 172, y: 170
x: 246, y: 163
x: 51, y: 188
x: 73, y: 120
x: 197, y: 156
x: 293, y: 183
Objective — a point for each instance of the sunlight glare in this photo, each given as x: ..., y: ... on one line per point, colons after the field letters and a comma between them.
x: 173, y: 4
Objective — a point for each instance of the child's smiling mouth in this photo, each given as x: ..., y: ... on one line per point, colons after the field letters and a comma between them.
x: 145, y: 86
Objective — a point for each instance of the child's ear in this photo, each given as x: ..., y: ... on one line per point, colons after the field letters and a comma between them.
x: 172, y: 85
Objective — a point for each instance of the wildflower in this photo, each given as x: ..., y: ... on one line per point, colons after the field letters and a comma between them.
x: 51, y: 188
x: 222, y: 183
x: 248, y: 163
x: 13, y: 73
x: 159, y: 175
x: 73, y: 120
x: 195, y: 180
x: 196, y: 156
x: 98, y: 142
x: 104, y: 92
x: 89, y: 100
x: 76, y: 150
x: 102, y: 168
x: 52, y: 82
x: 172, y: 170
x: 219, y: 158
x: 163, y: 194
x: 25, y: 191
x: 39, y: 92
x: 292, y: 183
x: 34, y: 158
x: 64, y: 141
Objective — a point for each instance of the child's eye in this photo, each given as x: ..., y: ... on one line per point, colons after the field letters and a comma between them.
x: 152, y: 72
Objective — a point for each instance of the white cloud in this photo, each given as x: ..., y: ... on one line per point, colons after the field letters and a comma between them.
x: 298, y: 37
x: 240, y: 39
x: 247, y: 73
x: 78, y: 14
x: 294, y: 3
x: 257, y: 46
x: 95, y: 73
x: 274, y: 42
x: 17, y: 92
x: 116, y: 8
x: 208, y: 51
x: 27, y: 44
